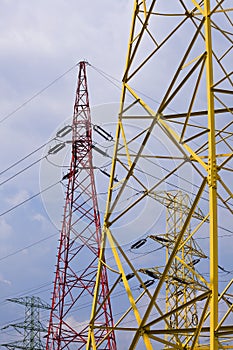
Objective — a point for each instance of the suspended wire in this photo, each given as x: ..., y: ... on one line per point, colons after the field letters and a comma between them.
x: 25, y: 157
x: 28, y: 246
x: 47, y: 284
x: 30, y: 165
x: 85, y: 305
x: 30, y: 198
x: 21, y: 171
x: 7, y: 116
x: 102, y: 193
x: 49, y: 187
x: 43, y: 157
x: 172, y: 185
x: 108, y: 77
x: 25, y: 291
x: 103, y: 74
x: 56, y: 165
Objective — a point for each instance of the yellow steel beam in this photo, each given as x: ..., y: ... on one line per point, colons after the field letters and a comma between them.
x: 167, y: 267
x: 127, y: 288
x: 203, y: 160
x: 212, y: 182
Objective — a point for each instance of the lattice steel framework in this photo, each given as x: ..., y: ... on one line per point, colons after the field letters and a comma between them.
x: 31, y: 328
x: 183, y: 281
x: 180, y: 285
x: 77, y: 258
x: 177, y: 94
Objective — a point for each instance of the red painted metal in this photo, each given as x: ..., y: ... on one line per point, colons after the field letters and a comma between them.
x: 77, y: 260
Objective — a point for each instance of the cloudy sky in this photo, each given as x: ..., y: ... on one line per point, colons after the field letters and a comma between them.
x: 40, y: 44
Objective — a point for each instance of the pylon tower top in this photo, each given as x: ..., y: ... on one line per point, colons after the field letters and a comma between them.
x: 32, y: 326
x: 79, y: 246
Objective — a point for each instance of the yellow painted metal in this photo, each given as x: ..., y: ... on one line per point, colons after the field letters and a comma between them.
x: 177, y: 293
x: 189, y: 149
x: 91, y: 343
x: 127, y: 288
x: 212, y: 183
x: 198, y: 7
x: 172, y: 133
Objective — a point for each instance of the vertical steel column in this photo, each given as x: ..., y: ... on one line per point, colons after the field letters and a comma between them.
x: 212, y: 182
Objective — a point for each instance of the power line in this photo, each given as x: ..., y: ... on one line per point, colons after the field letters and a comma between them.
x: 28, y: 246
x: 28, y: 199
x: 7, y: 116
x: 25, y: 157
x: 21, y: 171
x: 49, y: 187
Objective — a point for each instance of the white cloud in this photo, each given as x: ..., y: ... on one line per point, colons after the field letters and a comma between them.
x: 5, y: 281
x: 40, y: 41
x: 5, y: 229
x: 40, y: 218
x: 18, y: 197
x: 78, y: 326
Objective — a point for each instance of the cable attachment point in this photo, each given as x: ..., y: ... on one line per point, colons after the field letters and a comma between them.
x: 103, y: 133
x: 64, y: 131
x: 56, y: 148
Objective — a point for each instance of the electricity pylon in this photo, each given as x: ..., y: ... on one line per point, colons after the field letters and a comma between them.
x: 77, y: 258
x: 183, y: 281
x: 32, y: 327
x: 176, y: 92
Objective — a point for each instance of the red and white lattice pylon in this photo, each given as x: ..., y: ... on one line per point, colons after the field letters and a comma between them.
x: 79, y: 245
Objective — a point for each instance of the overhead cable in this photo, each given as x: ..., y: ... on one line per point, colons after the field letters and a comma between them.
x: 7, y: 116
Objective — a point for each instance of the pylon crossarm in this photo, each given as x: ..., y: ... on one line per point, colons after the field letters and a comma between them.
x: 172, y: 122
x: 78, y: 252
x: 168, y: 265
x: 126, y: 285
x: 178, y: 115
x: 135, y: 272
x: 194, y: 272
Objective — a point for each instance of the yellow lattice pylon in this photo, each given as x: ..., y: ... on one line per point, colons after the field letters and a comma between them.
x: 176, y: 97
